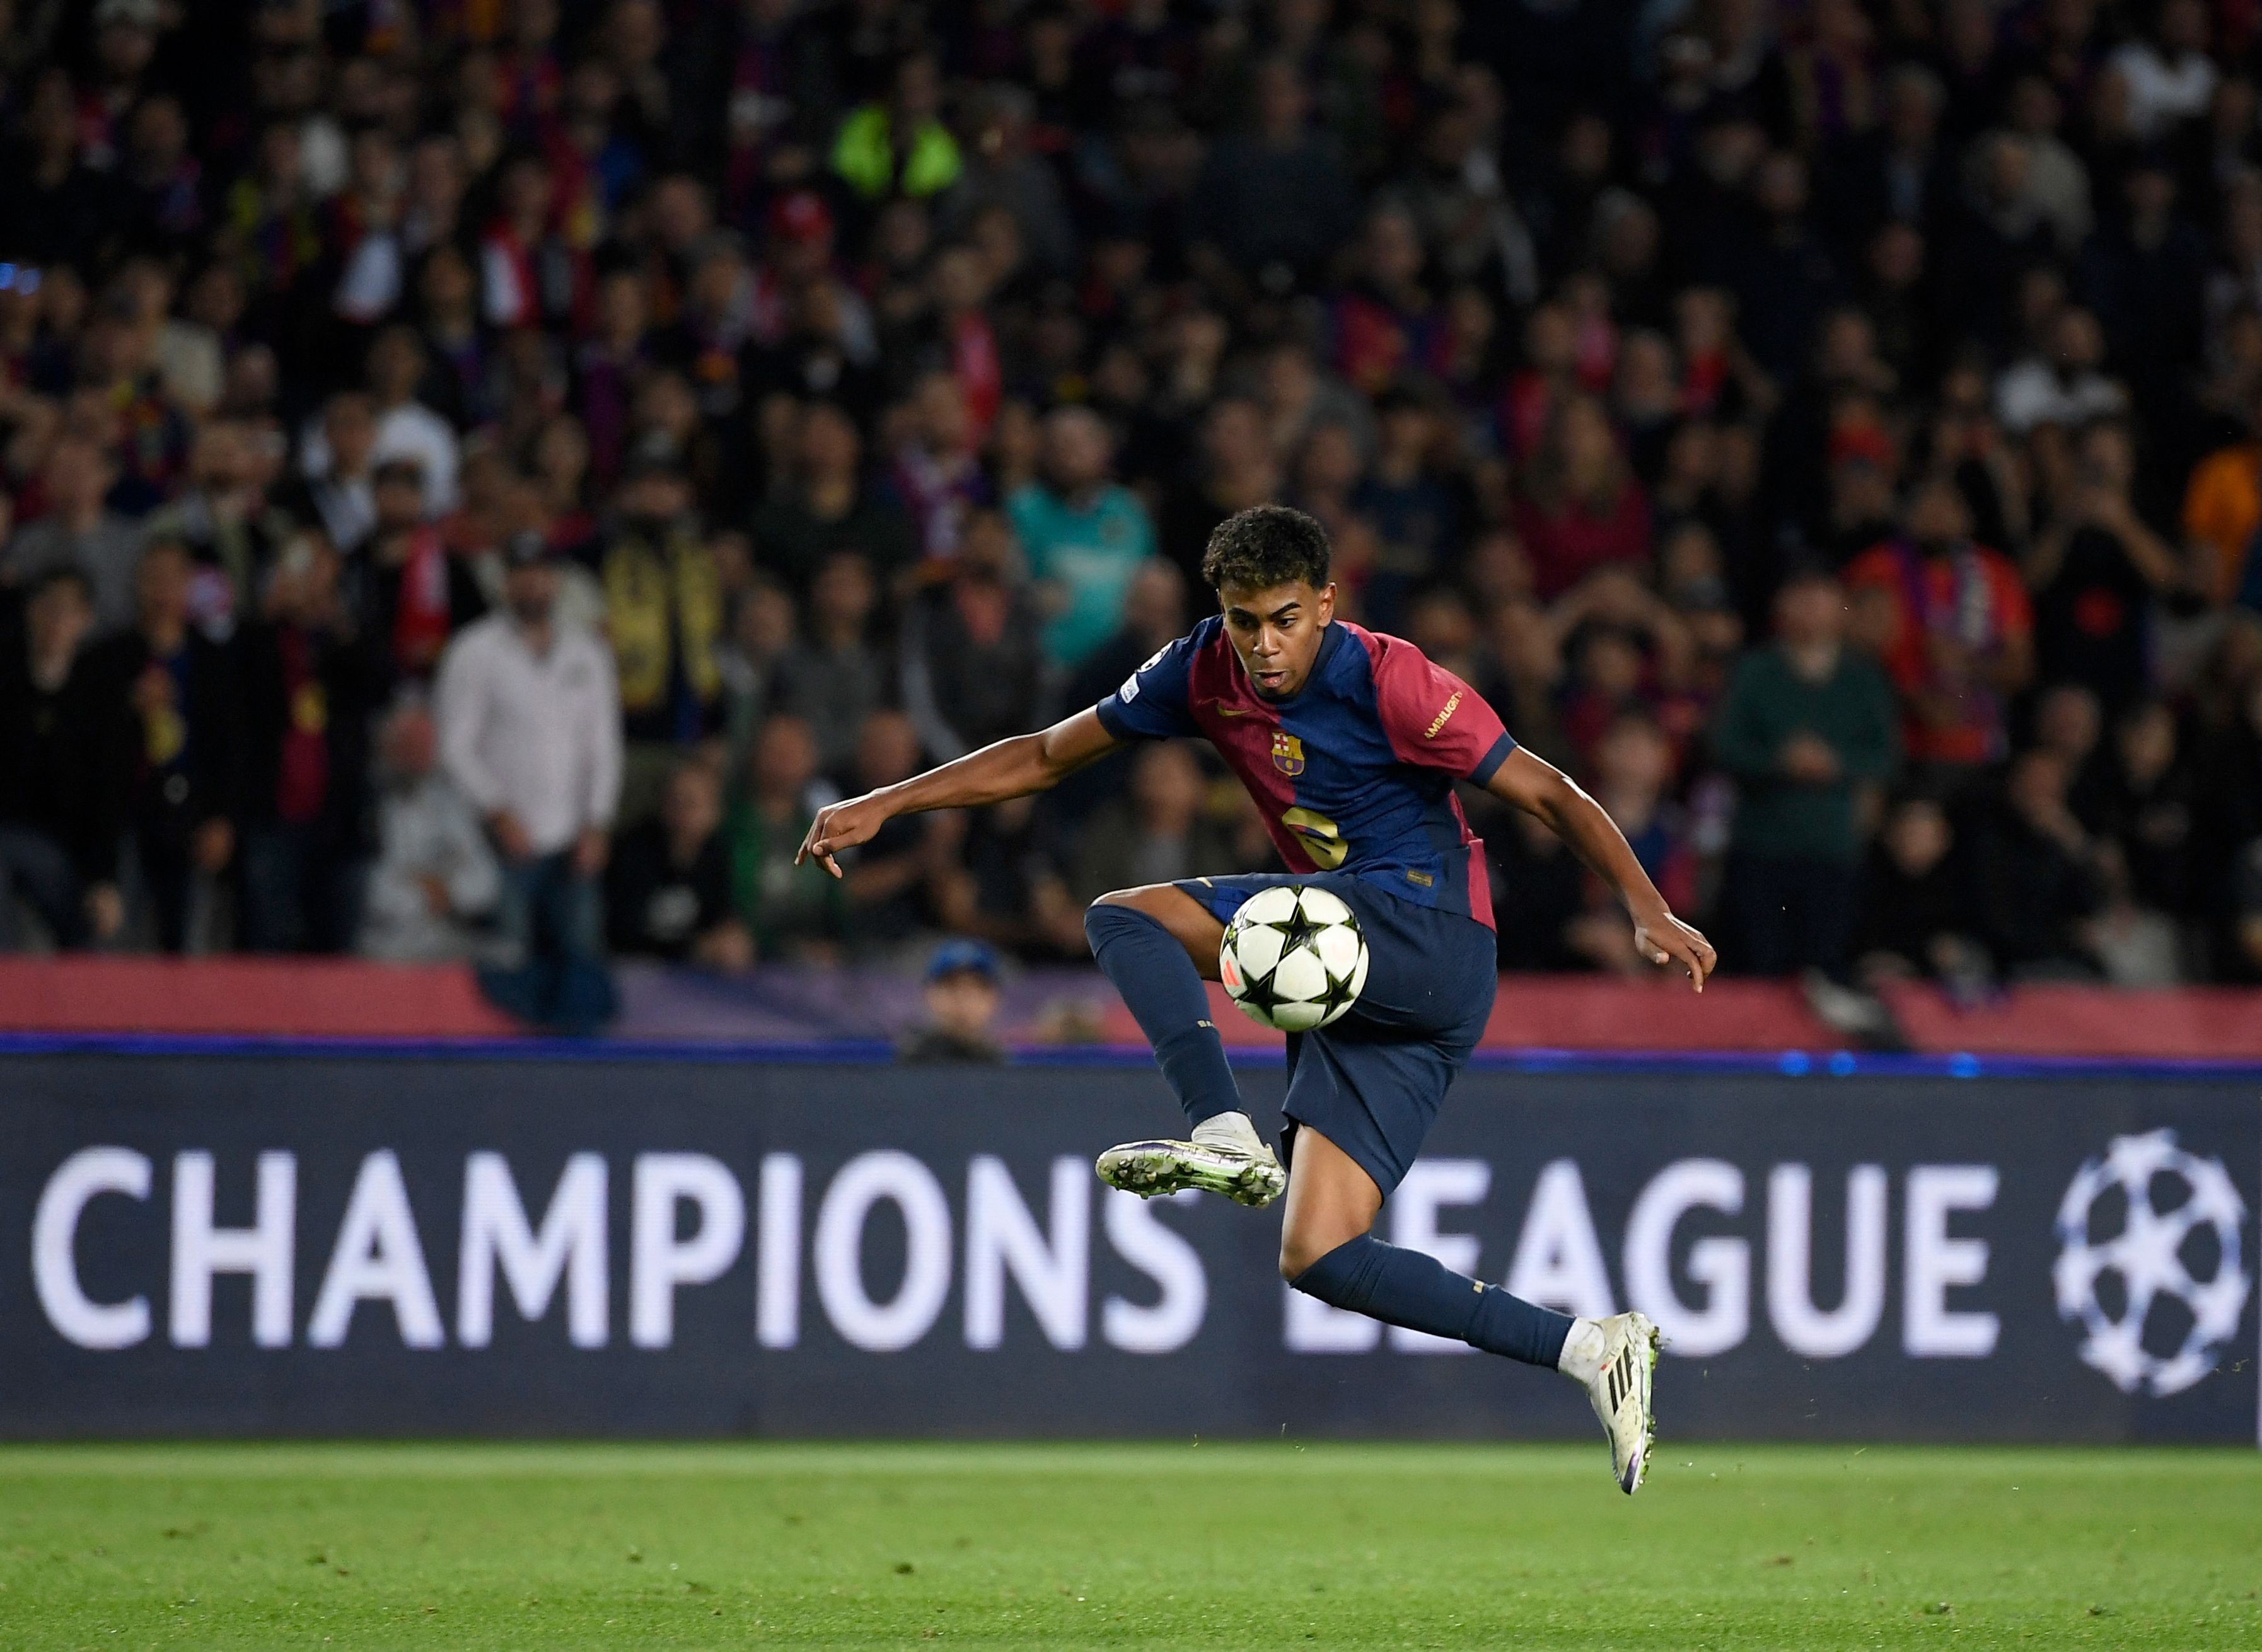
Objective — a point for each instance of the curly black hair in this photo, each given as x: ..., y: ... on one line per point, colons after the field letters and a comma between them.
x: 1263, y: 546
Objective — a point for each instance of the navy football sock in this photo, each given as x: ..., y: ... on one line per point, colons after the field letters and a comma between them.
x: 1406, y: 1288
x: 1166, y: 996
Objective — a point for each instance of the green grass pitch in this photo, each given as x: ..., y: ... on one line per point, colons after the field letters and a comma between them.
x: 1169, y: 1545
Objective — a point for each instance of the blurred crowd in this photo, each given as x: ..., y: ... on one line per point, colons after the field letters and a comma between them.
x: 476, y: 475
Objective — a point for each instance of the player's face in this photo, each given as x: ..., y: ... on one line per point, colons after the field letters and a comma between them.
x: 1276, y: 632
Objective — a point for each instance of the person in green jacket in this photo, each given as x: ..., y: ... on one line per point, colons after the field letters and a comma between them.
x: 900, y: 146
x: 792, y: 911
x: 1807, y: 725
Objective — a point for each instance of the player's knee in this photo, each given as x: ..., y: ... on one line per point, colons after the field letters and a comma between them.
x: 1299, y: 1249
x: 1118, y: 912
x: 1140, y: 900
x: 1111, y: 914
x: 1293, y: 1261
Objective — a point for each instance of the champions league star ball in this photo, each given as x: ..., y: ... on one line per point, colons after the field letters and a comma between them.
x: 1293, y: 958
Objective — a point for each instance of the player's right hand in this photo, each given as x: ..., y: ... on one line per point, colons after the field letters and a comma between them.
x: 1663, y: 938
x: 839, y: 826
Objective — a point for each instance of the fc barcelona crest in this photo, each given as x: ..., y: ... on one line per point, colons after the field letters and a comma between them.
x: 1287, y: 752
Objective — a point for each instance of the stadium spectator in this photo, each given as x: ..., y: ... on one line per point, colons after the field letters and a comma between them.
x: 898, y: 144
x: 2222, y: 510
x: 435, y: 876
x: 1002, y: 171
x: 1539, y: 895
x: 748, y: 660
x: 970, y: 664
x: 791, y: 911
x: 1014, y: 889
x: 2170, y: 77
x: 938, y: 471
x: 1154, y: 612
x: 530, y: 731
x: 664, y: 615
x: 1957, y: 638
x: 2144, y: 801
x: 78, y: 530
x: 668, y: 889
x: 1581, y: 509
x: 2065, y: 386
x: 1275, y: 201
x: 309, y: 693
x: 2246, y: 911
x: 1918, y: 906
x: 897, y: 880
x: 1415, y: 514
x: 2227, y: 828
x: 1633, y: 780
x: 1806, y: 728
x: 341, y: 498
x: 833, y: 679
x: 60, y: 764
x: 1160, y: 832
x: 1237, y: 467
x: 225, y: 519
x: 827, y: 507
x: 406, y: 427
x: 2040, y: 876
x: 415, y: 594
x: 2096, y: 571
x: 181, y: 693
x: 1085, y: 536
x: 961, y: 998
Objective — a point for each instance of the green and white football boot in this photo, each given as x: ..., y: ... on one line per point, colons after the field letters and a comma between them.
x: 1225, y: 1156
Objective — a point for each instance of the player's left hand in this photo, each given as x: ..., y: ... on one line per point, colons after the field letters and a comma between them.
x: 839, y: 826
x: 1663, y: 938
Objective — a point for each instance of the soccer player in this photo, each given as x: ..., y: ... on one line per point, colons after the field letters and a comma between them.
x: 1350, y: 743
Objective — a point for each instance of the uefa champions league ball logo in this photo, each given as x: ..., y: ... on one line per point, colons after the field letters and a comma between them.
x: 2149, y: 1237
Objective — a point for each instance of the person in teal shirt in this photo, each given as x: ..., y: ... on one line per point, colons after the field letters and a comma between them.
x: 1083, y: 534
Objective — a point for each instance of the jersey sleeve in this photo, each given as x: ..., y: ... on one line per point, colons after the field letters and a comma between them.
x: 1434, y: 720
x: 1154, y: 702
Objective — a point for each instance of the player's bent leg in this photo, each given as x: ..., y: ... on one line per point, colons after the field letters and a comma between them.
x: 1328, y: 1251
x: 1332, y: 1201
x: 1185, y: 919
x: 1156, y: 944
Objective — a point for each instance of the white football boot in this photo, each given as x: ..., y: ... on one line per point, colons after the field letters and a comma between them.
x: 1616, y: 1361
x: 1225, y: 1156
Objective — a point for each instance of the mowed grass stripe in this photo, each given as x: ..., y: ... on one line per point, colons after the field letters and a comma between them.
x: 1174, y: 1544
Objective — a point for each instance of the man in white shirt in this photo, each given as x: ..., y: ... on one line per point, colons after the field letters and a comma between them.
x: 435, y: 873
x: 2170, y: 77
x: 406, y: 427
x: 2068, y: 388
x: 530, y: 731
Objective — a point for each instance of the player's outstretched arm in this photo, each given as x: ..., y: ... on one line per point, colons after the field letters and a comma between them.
x: 1538, y: 788
x: 1012, y: 768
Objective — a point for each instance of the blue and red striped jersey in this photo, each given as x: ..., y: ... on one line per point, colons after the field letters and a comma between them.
x: 1353, y: 772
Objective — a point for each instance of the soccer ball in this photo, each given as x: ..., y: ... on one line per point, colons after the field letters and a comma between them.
x: 1293, y: 958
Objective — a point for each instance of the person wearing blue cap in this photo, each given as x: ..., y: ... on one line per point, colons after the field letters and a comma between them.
x: 961, y: 1002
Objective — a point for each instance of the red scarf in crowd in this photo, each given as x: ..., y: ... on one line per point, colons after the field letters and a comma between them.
x: 304, y: 779
x: 420, y: 617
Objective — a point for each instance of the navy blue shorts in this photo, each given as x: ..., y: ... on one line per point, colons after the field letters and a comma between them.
x: 1372, y: 1081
